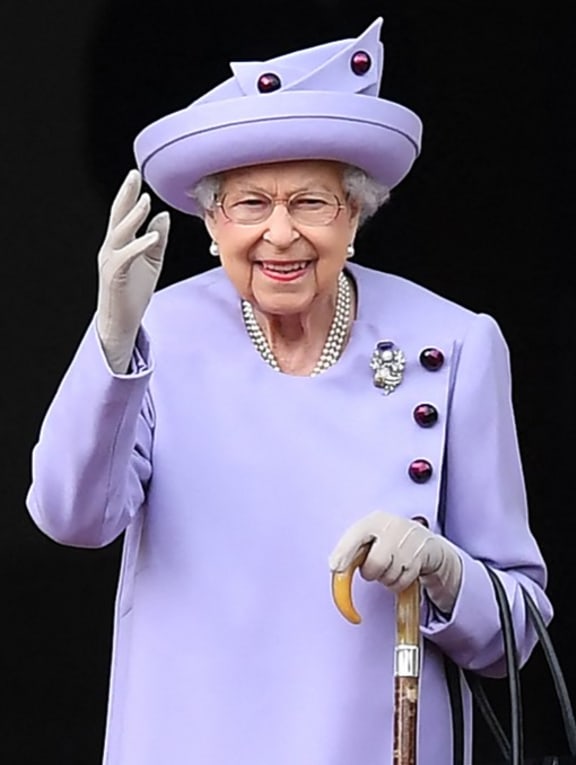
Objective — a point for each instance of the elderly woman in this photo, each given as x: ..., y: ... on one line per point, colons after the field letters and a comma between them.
x: 247, y: 425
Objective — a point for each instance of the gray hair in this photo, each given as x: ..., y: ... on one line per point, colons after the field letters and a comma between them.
x: 359, y: 187
x: 366, y: 192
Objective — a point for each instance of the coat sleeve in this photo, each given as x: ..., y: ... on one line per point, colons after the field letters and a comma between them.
x: 92, y: 462
x: 485, y: 509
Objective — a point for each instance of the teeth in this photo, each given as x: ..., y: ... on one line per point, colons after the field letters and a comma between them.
x: 285, y: 268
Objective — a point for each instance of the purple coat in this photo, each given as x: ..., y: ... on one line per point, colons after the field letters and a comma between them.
x: 233, y: 483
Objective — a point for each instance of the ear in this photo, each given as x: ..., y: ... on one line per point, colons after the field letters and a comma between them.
x: 210, y: 223
x: 353, y: 212
x: 353, y: 218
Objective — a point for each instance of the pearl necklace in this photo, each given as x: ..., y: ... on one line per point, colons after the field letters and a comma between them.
x: 336, y: 335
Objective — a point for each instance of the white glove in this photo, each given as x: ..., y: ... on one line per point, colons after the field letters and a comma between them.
x: 129, y: 268
x: 401, y: 551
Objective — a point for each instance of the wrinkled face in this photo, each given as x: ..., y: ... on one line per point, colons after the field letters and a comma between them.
x: 282, y: 265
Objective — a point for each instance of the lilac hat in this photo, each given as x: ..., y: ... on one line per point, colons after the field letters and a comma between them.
x: 316, y: 103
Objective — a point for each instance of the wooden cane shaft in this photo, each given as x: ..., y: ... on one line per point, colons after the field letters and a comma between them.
x: 405, y: 720
x: 408, y: 615
x: 407, y: 669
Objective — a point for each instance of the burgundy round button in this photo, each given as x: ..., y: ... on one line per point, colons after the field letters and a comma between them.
x: 360, y: 62
x: 269, y: 82
x: 420, y: 471
x: 426, y: 415
x: 432, y: 359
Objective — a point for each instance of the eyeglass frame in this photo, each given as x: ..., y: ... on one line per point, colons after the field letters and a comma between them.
x: 286, y: 202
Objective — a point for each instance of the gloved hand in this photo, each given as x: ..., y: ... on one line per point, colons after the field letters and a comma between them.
x: 401, y: 551
x: 129, y: 267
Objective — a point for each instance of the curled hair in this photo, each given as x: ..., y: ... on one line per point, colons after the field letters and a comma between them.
x: 366, y: 192
x: 359, y: 187
x: 206, y: 191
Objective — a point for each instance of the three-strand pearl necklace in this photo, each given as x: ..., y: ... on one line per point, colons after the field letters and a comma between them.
x: 336, y: 335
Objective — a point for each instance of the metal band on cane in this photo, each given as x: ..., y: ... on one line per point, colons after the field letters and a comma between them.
x: 406, y: 661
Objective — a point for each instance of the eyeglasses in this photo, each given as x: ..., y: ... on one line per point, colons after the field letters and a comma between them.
x: 309, y: 208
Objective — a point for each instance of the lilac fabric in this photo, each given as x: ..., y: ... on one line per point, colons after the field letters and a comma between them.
x: 233, y: 483
x: 323, y: 108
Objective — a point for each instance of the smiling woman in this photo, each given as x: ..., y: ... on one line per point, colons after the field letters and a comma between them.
x: 259, y: 428
x: 283, y: 234
x: 297, y: 300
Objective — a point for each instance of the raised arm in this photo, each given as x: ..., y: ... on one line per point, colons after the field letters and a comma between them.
x: 92, y: 462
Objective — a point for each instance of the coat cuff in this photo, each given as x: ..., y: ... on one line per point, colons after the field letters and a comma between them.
x: 141, y: 362
x: 473, y: 623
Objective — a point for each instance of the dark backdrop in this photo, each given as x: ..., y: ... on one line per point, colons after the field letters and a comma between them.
x: 484, y: 218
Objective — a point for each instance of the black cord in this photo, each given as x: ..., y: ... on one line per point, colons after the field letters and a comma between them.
x: 453, y: 673
x: 512, y: 665
x: 556, y: 672
x: 485, y: 707
x: 481, y: 699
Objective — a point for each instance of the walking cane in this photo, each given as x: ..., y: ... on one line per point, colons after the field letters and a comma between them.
x: 406, y: 658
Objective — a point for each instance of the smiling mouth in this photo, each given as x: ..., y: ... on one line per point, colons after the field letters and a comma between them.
x: 284, y: 267
x: 284, y: 271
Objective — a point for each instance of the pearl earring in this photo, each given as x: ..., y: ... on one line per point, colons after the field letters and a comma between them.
x: 214, y: 250
x: 350, y: 251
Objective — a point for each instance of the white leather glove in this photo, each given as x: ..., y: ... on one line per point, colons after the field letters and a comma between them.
x: 401, y: 551
x: 129, y: 267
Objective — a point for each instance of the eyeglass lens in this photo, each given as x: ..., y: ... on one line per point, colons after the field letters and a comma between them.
x: 313, y: 208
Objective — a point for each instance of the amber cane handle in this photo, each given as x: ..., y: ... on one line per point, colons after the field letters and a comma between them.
x: 406, y: 674
x: 342, y: 587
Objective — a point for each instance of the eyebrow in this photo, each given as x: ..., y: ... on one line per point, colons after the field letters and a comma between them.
x: 254, y: 188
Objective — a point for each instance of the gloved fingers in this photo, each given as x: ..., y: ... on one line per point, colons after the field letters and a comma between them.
x: 161, y: 224
x: 126, y: 229
x: 125, y: 199
x: 412, y: 541
x: 361, y: 533
x: 421, y: 547
x: 127, y: 255
x: 348, y: 548
x: 378, y: 561
x: 398, y: 580
x: 396, y: 555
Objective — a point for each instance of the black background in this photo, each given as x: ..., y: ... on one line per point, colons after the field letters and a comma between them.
x: 484, y: 218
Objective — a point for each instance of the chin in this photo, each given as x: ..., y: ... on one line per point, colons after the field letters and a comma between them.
x: 283, y: 305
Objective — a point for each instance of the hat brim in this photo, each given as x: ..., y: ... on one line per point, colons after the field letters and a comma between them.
x: 174, y: 153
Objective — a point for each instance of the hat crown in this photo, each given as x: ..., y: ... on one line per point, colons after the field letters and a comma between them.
x: 329, y: 68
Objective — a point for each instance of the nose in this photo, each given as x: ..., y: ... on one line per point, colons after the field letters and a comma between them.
x: 280, y: 229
